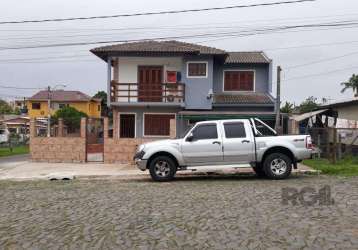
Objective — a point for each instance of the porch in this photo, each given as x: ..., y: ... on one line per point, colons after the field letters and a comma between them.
x: 139, y: 94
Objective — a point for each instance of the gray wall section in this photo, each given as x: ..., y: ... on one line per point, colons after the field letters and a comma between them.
x: 262, y: 76
x: 139, y: 111
x: 197, y: 89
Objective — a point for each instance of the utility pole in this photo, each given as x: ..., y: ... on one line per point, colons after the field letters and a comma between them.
x: 278, y: 99
x: 48, y: 111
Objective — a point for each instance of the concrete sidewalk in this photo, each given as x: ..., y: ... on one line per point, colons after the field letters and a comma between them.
x: 26, y: 170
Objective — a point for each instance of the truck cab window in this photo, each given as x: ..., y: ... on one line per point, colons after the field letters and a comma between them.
x: 234, y: 130
x: 206, y: 131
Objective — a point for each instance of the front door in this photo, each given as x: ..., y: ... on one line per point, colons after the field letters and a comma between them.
x: 205, y: 147
x: 150, y: 83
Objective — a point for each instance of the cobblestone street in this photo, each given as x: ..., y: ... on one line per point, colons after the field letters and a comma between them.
x: 189, y: 213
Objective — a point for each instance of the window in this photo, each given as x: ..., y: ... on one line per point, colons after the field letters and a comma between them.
x: 197, y: 69
x: 207, y: 131
x: 235, y: 130
x: 127, y: 125
x: 239, y: 80
x: 36, y: 105
x: 62, y: 105
x: 98, y: 107
x: 157, y: 124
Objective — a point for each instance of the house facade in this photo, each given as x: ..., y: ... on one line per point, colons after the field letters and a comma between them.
x: 37, y: 105
x: 152, y: 82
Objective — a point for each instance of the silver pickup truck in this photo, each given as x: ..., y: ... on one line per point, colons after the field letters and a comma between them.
x: 225, y: 144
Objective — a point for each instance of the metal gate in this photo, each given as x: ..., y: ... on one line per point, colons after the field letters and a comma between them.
x: 94, y: 140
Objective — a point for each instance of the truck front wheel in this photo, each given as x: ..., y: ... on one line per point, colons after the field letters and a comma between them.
x: 162, y: 168
x: 277, y: 166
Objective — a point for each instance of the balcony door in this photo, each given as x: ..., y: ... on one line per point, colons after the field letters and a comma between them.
x: 150, y: 83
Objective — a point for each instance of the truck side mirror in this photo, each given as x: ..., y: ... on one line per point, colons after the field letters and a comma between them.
x: 190, y: 137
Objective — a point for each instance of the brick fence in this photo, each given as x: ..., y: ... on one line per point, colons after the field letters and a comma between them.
x: 73, y: 149
x: 58, y: 149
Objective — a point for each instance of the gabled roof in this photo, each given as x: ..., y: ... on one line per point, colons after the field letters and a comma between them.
x: 247, y: 57
x: 177, y: 48
x: 157, y: 47
x: 62, y: 96
x: 243, y: 98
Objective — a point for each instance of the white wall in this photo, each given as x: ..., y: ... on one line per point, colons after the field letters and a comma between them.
x: 128, y: 66
x: 348, y: 112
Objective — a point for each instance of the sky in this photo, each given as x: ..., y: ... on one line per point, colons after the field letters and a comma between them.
x: 78, y: 69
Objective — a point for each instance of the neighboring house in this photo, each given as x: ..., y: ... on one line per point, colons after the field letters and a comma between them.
x: 152, y: 82
x: 344, y: 110
x: 19, y: 125
x: 37, y: 105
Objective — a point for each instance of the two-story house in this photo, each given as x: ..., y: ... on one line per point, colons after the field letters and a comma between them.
x: 152, y: 82
x: 37, y: 105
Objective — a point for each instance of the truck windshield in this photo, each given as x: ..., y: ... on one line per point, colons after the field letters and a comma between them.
x: 263, y: 129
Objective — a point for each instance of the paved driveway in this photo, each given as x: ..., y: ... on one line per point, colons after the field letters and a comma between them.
x: 189, y: 213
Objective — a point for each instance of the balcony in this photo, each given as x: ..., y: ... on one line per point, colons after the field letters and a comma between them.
x: 171, y: 94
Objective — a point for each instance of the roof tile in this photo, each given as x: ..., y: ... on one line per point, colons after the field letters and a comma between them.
x: 243, y: 98
x: 61, y: 95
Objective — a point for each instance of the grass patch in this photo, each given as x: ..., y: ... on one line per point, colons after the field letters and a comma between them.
x: 18, y: 150
x: 345, y: 167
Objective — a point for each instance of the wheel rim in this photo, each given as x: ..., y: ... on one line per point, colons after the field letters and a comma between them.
x: 162, y: 169
x: 278, y: 166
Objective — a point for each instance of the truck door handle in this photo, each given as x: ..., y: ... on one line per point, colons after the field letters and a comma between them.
x: 216, y: 142
x: 245, y: 141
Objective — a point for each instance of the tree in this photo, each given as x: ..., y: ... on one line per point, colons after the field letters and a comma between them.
x: 287, y: 108
x: 71, y: 117
x: 309, y: 105
x: 351, y: 84
x: 5, y: 108
x: 105, y: 111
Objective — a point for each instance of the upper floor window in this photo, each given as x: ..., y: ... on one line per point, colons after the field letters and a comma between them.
x: 235, y: 80
x: 63, y: 105
x: 197, y: 69
x: 36, y: 105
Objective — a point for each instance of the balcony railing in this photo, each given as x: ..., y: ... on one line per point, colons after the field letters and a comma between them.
x: 159, y: 93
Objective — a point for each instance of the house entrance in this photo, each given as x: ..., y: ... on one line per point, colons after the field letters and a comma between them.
x: 94, y: 140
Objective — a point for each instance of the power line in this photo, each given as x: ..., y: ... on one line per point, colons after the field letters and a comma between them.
x: 323, y: 60
x: 323, y: 73
x: 19, y: 88
x: 271, y: 29
x: 312, y: 45
x: 155, y: 13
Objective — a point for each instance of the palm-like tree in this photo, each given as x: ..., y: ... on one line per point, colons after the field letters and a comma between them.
x: 351, y: 84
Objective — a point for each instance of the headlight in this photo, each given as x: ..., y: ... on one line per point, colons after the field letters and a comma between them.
x: 140, y: 148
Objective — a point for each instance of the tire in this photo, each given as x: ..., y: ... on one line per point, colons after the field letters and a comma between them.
x: 162, y: 168
x: 277, y: 166
x: 259, y: 171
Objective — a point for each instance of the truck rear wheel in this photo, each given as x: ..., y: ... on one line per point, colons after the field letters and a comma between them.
x: 277, y: 166
x: 162, y: 168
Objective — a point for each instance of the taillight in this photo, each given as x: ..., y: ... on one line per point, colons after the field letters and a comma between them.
x: 309, y: 144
